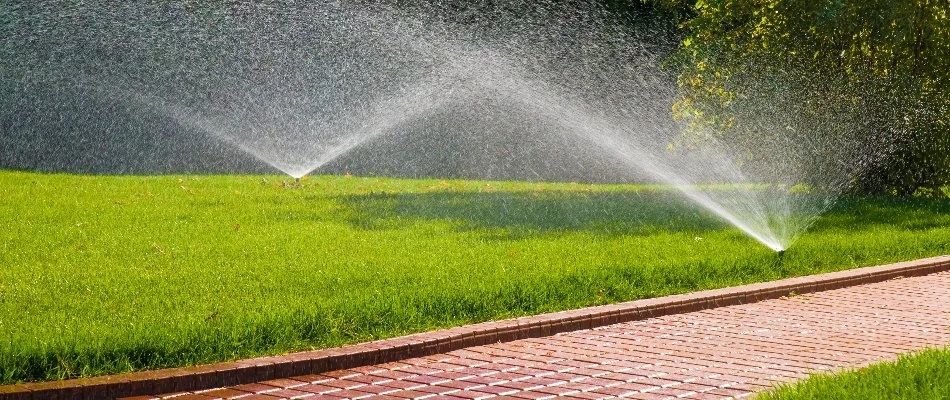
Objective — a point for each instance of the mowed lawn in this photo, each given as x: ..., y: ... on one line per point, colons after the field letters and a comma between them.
x: 113, y: 274
x: 919, y: 376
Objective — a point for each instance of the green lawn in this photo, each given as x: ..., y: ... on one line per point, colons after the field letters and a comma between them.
x: 920, y: 376
x: 112, y: 274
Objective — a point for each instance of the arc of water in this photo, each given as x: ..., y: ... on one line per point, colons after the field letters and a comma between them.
x: 598, y: 133
x: 499, y: 79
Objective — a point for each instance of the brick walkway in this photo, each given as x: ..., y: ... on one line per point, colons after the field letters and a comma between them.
x: 727, y: 352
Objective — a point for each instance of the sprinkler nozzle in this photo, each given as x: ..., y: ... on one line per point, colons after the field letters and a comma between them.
x: 781, y: 253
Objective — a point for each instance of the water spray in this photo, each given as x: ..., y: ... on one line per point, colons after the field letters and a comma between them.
x: 532, y: 82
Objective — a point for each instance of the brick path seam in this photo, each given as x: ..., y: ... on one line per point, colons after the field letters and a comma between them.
x: 720, y: 353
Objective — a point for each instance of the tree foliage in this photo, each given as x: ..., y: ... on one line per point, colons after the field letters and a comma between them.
x: 869, y: 71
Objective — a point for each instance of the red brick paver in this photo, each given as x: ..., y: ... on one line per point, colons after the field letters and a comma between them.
x: 726, y: 352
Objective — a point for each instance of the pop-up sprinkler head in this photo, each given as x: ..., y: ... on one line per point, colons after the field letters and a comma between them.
x: 781, y: 253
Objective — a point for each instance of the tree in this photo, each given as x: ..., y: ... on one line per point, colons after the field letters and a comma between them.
x: 868, y: 72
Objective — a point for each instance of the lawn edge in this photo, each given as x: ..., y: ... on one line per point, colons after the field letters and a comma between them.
x: 445, y: 340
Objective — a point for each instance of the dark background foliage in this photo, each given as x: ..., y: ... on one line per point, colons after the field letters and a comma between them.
x: 882, y: 64
x: 875, y: 70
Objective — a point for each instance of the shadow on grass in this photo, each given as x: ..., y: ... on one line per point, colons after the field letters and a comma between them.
x: 515, y: 215
x: 522, y: 214
x: 858, y: 214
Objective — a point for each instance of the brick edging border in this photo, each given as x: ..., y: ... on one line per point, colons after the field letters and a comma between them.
x: 441, y: 341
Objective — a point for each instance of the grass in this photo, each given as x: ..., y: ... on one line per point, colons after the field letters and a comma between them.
x: 113, y: 274
x: 920, y: 376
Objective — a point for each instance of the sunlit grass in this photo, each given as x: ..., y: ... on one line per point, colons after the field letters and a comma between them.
x: 920, y: 376
x: 112, y: 274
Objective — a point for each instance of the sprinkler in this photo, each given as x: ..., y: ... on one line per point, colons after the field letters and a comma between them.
x: 779, y: 261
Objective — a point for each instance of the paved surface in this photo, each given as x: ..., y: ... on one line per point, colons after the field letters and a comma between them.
x: 728, y: 352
